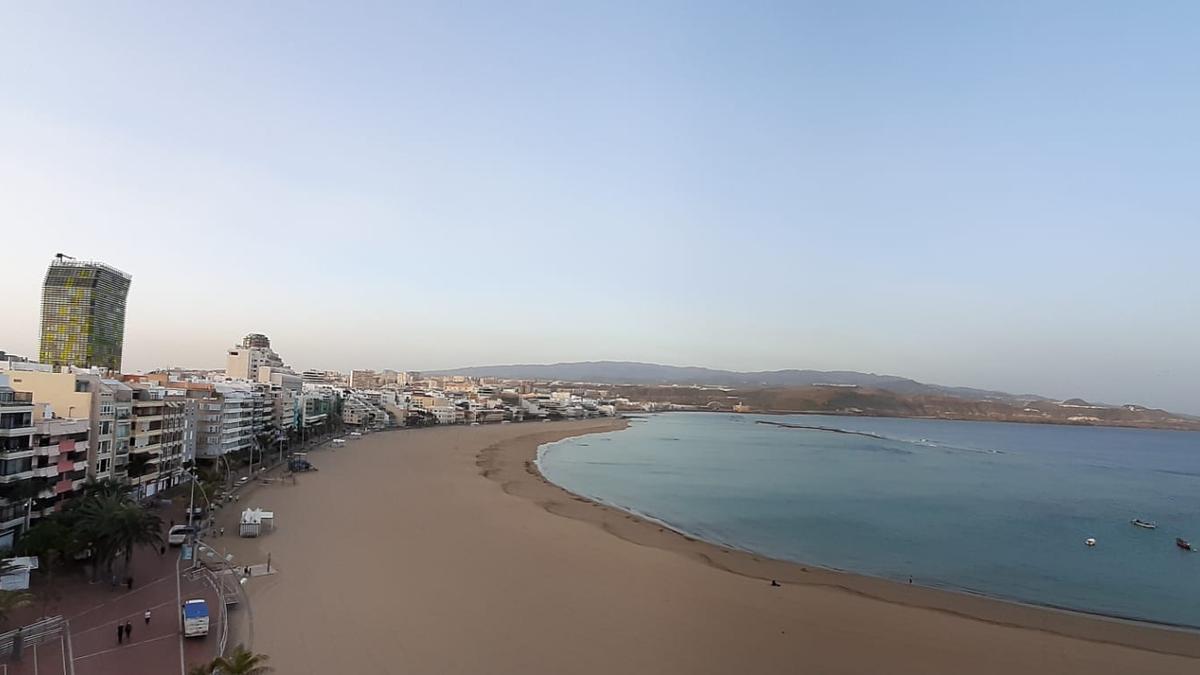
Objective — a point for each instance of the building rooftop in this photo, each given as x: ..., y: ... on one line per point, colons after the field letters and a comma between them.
x: 71, y: 262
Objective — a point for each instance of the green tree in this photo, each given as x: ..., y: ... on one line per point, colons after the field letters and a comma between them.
x: 105, y: 487
x: 242, y: 661
x: 116, y: 524
x: 52, y: 542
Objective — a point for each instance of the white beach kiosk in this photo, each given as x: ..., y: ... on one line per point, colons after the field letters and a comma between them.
x: 253, y: 521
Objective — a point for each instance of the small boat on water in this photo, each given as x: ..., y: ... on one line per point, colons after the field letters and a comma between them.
x: 1090, y: 541
x: 1144, y: 523
x: 1183, y: 543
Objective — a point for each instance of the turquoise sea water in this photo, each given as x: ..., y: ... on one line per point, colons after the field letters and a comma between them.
x: 1000, y: 509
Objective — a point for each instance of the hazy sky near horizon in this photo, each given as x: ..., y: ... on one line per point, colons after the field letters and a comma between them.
x: 1000, y: 195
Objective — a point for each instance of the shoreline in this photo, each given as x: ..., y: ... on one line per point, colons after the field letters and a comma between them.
x: 514, y: 466
x: 398, y: 556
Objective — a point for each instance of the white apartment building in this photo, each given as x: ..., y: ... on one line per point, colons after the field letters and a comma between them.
x: 243, y: 362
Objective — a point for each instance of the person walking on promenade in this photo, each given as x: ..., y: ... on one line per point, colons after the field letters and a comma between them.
x: 129, y: 583
x: 120, y: 632
x: 128, y: 631
x: 146, y: 616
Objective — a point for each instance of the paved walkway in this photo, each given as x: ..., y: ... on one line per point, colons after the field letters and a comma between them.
x: 95, y: 609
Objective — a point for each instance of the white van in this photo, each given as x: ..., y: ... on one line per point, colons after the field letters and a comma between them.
x: 178, y: 534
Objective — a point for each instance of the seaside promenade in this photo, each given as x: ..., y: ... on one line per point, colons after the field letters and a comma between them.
x: 440, y: 551
x: 93, y: 611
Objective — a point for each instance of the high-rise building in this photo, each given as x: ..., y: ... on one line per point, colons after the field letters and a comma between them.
x: 83, y: 314
x: 247, y: 361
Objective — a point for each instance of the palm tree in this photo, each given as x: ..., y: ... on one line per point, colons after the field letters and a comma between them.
x: 105, y: 487
x: 53, y: 542
x: 242, y: 661
x: 202, y: 669
x: 11, y: 601
x: 116, y: 524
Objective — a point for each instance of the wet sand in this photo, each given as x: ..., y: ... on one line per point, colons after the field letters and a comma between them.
x: 399, y: 556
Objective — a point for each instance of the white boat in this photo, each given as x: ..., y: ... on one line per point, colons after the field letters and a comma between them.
x: 1090, y: 541
x: 1144, y: 523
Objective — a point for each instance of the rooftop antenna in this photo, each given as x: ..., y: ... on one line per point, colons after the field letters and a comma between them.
x: 61, y: 256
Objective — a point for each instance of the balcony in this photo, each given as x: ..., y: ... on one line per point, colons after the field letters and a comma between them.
x: 9, y: 432
x: 16, y: 477
x: 46, y: 471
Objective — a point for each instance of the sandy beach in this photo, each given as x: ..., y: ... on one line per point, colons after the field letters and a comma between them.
x: 443, y: 551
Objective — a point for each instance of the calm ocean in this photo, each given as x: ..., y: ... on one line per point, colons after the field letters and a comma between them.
x: 999, y: 509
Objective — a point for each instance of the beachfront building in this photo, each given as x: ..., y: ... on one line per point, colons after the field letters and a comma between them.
x: 361, y: 412
x: 158, y: 449
x: 83, y: 314
x: 16, y: 449
x: 43, y: 460
x: 107, y: 406
x: 319, y: 406
x: 222, y: 417
x: 60, y: 461
x: 285, y: 390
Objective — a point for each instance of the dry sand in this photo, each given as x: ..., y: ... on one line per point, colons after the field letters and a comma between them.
x: 398, y: 557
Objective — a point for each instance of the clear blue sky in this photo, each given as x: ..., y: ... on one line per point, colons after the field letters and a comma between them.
x: 979, y: 193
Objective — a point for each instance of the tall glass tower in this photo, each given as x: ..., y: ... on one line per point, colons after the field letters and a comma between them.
x: 83, y: 314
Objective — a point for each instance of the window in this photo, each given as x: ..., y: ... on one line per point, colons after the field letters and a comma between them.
x: 17, y: 466
x: 102, y: 467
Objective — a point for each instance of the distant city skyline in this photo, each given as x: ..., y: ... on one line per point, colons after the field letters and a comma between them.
x: 996, y: 196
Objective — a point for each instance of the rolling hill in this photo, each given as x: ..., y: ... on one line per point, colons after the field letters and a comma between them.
x: 632, y: 372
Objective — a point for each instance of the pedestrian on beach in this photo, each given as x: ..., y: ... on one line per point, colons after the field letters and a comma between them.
x: 146, y: 616
x: 128, y: 630
x: 120, y: 632
x: 222, y: 534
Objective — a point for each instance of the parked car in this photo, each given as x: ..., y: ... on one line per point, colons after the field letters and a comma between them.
x: 179, y: 534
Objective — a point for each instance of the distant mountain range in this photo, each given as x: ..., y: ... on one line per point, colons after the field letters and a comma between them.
x: 632, y: 372
x: 820, y: 391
